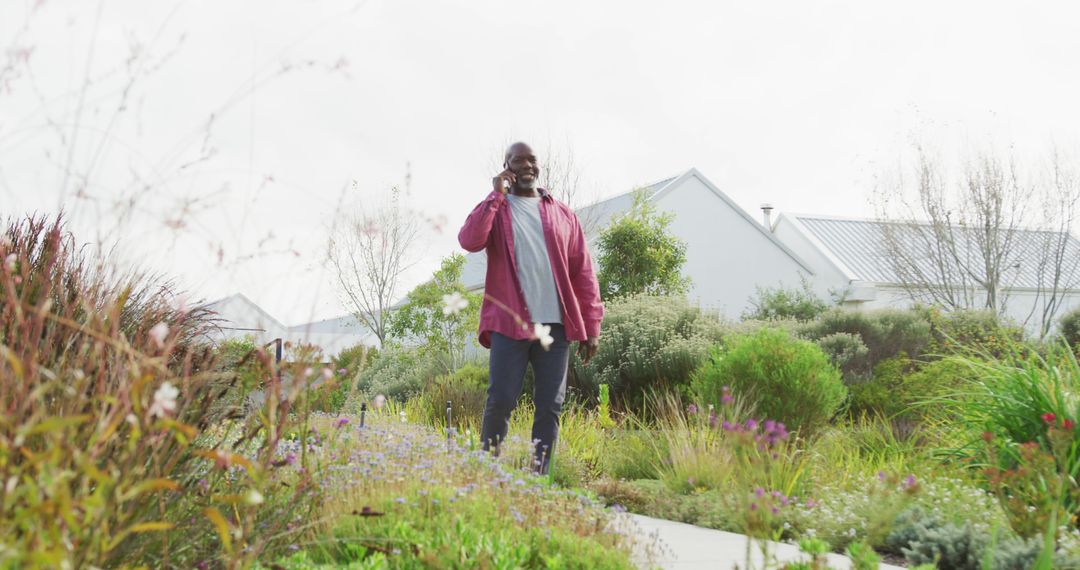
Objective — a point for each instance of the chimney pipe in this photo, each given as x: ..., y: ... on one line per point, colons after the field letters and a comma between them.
x: 766, y: 216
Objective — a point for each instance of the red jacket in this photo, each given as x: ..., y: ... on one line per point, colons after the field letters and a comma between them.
x: 489, y: 227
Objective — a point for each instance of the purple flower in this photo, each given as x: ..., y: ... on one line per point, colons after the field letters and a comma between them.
x: 691, y: 409
x: 751, y: 424
x: 910, y: 481
x: 341, y: 422
x: 727, y: 426
x: 753, y: 506
x: 342, y: 371
x: 759, y: 492
x: 712, y: 418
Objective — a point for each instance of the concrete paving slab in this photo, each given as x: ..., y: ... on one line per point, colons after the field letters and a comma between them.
x: 682, y: 546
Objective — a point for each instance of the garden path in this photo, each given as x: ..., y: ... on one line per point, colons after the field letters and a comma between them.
x: 687, y: 547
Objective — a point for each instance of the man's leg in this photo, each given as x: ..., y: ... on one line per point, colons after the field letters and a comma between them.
x: 549, y: 369
x: 506, y: 373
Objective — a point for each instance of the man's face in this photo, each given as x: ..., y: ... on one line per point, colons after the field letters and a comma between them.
x: 522, y: 162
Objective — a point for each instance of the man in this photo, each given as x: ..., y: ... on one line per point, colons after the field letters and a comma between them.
x: 540, y: 295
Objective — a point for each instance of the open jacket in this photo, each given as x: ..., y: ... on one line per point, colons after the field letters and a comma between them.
x: 504, y: 311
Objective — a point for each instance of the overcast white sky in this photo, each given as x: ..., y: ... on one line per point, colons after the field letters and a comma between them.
x: 801, y: 104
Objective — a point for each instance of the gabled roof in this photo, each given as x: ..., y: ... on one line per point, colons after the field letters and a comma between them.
x: 858, y: 248
x: 242, y: 299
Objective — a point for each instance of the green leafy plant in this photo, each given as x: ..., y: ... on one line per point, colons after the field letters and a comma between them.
x: 771, y: 303
x: 787, y: 379
x: 422, y: 320
x: 885, y: 333
x: 650, y: 344
x: 1070, y: 328
x: 637, y: 254
x: 465, y: 389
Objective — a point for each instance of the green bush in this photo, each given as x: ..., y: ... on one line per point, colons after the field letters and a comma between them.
x: 981, y: 333
x: 787, y: 379
x: 243, y: 371
x: 779, y: 303
x: 926, y: 539
x: 649, y: 343
x: 1070, y: 328
x: 466, y: 389
x: 904, y: 389
x: 885, y: 333
x: 398, y: 374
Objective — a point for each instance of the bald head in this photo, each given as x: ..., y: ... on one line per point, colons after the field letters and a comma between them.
x: 518, y: 147
x: 522, y: 162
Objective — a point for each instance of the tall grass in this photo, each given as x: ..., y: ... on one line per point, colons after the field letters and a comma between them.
x: 107, y: 452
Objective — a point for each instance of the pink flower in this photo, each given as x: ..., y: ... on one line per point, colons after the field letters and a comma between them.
x: 1049, y: 418
x: 1067, y: 424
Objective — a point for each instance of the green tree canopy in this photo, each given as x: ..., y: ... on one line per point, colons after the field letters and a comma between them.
x: 637, y: 255
x: 422, y: 318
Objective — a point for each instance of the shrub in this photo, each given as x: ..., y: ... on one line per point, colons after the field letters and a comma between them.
x: 902, y: 389
x: 787, y: 379
x: 885, y: 333
x: 974, y: 332
x: 242, y: 371
x: 1070, y: 328
x: 925, y: 539
x: 846, y: 351
x: 398, y: 373
x: 466, y: 389
x: 649, y: 343
x: 780, y: 303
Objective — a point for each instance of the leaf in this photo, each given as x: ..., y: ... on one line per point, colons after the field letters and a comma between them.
x: 151, y: 527
x: 221, y: 524
x: 54, y: 423
x: 149, y: 486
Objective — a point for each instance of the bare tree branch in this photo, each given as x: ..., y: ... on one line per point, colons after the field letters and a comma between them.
x: 369, y: 253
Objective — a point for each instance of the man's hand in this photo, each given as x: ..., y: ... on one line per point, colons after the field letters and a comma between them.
x: 587, y: 349
x: 504, y: 181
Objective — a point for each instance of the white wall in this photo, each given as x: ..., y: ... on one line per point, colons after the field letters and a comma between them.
x: 827, y: 276
x: 727, y: 255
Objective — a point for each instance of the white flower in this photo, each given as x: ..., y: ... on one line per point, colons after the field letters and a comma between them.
x: 164, y: 400
x: 9, y: 262
x: 327, y: 373
x: 454, y: 303
x: 543, y: 334
x: 402, y: 414
x: 158, y: 334
x: 253, y: 497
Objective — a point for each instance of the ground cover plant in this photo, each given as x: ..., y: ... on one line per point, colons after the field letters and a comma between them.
x: 406, y: 496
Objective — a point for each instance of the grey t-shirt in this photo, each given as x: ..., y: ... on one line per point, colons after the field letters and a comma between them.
x: 533, y: 264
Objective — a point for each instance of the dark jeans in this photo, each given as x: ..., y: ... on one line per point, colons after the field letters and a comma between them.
x: 507, y: 374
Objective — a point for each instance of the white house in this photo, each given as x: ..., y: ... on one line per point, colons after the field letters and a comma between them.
x: 237, y: 316
x: 850, y: 256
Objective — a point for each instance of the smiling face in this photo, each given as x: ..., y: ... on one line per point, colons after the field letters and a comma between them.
x: 522, y: 162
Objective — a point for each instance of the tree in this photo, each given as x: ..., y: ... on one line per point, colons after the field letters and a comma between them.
x: 369, y: 252
x: 637, y: 255
x: 970, y: 243
x: 422, y: 317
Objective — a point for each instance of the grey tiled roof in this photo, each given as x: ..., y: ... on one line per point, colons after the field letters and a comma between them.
x: 861, y: 246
